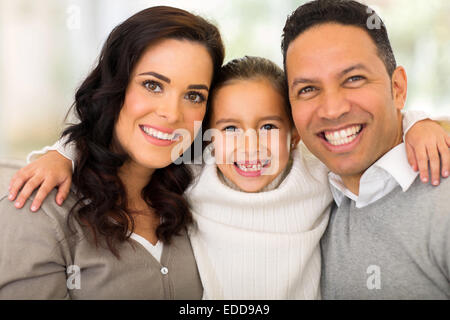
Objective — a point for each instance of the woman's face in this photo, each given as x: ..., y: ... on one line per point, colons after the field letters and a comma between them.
x: 166, y: 94
x: 252, y: 148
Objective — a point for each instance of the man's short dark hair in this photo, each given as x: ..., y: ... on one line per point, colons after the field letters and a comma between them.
x: 345, y: 12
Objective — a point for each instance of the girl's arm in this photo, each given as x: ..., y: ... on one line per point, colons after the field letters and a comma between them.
x: 426, y: 142
x: 53, y: 169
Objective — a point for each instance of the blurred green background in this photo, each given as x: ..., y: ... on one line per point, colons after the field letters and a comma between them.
x: 47, y: 47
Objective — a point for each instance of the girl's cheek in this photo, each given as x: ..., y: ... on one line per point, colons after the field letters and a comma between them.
x: 220, y: 151
x: 278, y: 149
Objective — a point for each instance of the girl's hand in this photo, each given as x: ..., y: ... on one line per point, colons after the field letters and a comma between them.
x: 49, y: 171
x: 427, y: 142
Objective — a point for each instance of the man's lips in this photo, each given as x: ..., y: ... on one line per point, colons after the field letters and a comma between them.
x: 342, y: 136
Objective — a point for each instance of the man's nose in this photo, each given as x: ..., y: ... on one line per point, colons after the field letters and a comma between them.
x: 333, y: 105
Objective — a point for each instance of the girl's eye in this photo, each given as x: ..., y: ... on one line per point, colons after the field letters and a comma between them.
x: 195, y: 97
x: 230, y: 129
x: 268, y: 126
x: 152, y: 86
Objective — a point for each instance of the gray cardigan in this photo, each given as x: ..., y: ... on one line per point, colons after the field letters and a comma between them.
x: 41, y: 259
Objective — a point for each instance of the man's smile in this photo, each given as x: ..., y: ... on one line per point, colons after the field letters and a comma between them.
x: 342, y: 139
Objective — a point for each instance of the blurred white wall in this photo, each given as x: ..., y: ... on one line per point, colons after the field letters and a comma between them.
x: 48, y: 46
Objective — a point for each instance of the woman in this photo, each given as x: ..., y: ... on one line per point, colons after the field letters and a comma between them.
x: 122, y: 234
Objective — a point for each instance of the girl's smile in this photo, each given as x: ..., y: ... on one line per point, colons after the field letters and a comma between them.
x: 253, y: 148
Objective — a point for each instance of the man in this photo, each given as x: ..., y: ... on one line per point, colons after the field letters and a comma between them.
x: 389, y: 234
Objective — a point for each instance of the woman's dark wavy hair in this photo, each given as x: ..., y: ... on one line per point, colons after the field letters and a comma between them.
x: 97, y: 104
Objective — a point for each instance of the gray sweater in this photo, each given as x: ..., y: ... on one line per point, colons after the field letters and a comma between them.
x: 395, y: 248
x: 41, y: 259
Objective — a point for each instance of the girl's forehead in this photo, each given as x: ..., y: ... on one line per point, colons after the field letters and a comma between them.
x: 248, y: 97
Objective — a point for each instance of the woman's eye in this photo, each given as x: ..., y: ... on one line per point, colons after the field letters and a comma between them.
x: 152, y: 86
x: 268, y: 126
x: 195, y: 97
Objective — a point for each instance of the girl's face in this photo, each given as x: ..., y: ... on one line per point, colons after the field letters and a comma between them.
x: 252, y: 148
x: 166, y: 94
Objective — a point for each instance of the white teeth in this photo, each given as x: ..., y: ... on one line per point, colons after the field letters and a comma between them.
x: 255, y: 167
x: 159, y: 135
x: 344, y: 136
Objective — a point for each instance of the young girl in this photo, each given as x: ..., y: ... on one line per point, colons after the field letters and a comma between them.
x: 261, y: 201
x: 262, y: 206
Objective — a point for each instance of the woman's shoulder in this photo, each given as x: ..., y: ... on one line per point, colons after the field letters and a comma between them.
x: 50, y: 217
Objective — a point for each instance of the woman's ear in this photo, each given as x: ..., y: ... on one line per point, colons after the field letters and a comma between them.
x: 295, y: 138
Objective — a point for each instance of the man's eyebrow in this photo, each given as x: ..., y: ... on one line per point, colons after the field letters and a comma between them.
x: 354, y: 67
x: 300, y: 80
x: 226, y: 121
x: 156, y: 75
x: 303, y: 80
x: 198, y: 87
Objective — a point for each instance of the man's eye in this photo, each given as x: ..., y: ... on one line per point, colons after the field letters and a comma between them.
x: 355, y: 78
x: 152, y: 86
x: 195, y: 97
x: 306, y: 90
x: 268, y: 126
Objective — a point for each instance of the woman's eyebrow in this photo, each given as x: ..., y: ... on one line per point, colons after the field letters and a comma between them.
x: 165, y: 79
x: 156, y: 75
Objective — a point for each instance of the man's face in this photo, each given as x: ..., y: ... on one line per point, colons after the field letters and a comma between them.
x: 344, y: 104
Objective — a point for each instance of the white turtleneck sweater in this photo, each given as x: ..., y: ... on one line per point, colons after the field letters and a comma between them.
x: 261, y: 245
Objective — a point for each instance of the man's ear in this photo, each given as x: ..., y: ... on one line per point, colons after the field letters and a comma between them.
x: 295, y: 138
x: 399, y: 87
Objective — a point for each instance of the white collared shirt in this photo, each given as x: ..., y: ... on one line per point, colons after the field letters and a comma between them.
x: 380, y: 179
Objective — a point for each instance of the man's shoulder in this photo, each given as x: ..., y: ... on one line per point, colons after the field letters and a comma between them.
x: 427, y: 192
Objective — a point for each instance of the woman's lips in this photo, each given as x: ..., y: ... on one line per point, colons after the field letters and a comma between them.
x: 158, y: 137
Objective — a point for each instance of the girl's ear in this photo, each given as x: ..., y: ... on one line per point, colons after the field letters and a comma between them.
x: 295, y: 138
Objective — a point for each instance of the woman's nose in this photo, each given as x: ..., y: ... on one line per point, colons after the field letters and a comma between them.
x: 169, y: 109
